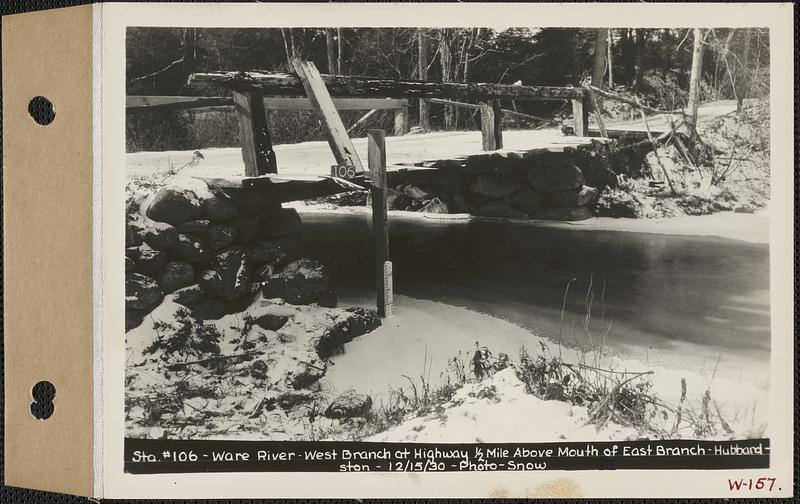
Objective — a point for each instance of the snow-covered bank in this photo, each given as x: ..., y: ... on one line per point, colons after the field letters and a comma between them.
x: 426, y: 335
x: 750, y: 228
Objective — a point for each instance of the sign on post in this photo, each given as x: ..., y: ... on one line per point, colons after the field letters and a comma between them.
x: 376, y: 154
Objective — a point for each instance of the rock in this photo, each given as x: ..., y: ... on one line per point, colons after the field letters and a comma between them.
x: 227, y: 276
x: 528, y: 201
x: 245, y: 228
x: 176, y: 275
x: 132, y: 237
x: 191, y: 249
x: 188, y: 295
x: 496, y: 186
x: 553, y: 178
x: 129, y: 265
x: 273, y: 252
x: 300, y: 282
x: 195, y: 227
x: 499, y: 209
x: 133, y: 318
x: 280, y: 222
x: 564, y: 214
x: 396, y: 200
x: 175, y: 204
x: 584, y: 196
x: 618, y: 203
x: 209, y: 309
x: 328, y: 299
x: 270, y: 321
x: 258, y: 369
x: 148, y: 261
x: 220, y: 236
x: 349, y: 404
x: 141, y: 292
x: 359, y: 322
x: 307, y: 373
x: 418, y: 193
x: 220, y: 209
x: 159, y: 235
x: 435, y: 206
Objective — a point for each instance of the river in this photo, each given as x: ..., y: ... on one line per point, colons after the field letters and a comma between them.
x: 683, y: 297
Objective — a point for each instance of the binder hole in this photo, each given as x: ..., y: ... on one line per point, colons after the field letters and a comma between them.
x: 43, y: 394
x: 41, y: 110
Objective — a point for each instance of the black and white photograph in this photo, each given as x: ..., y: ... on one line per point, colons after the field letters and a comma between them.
x: 447, y: 234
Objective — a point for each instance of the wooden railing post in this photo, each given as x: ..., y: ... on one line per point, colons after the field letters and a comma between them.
x: 580, y: 114
x: 491, y: 130
x: 376, y: 155
x: 401, y: 120
x: 257, y: 152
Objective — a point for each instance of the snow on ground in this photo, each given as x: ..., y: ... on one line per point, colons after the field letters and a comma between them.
x: 499, y: 410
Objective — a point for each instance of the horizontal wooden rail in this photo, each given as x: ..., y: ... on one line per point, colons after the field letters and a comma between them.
x: 287, y: 84
x: 150, y: 103
x: 477, y: 107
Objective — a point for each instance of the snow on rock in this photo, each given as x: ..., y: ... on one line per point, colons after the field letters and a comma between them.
x: 499, y: 410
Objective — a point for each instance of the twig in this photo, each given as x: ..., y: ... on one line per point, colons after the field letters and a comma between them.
x: 655, y: 149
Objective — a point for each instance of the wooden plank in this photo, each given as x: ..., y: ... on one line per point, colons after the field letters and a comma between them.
x: 401, y: 121
x: 303, y: 103
x: 287, y: 84
x: 317, y: 92
x: 257, y: 151
x: 135, y: 104
x: 376, y: 155
x: 580, y: 116
x: 596, y: 109
x: 491, y: 132
x: 150, y: 103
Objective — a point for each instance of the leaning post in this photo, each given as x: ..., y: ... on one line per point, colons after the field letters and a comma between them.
x: 376, y: 155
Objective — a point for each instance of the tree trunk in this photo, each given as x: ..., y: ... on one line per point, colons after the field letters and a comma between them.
x: 599, y: 67
x: 641, y: 47
x: 424, y: 115
x: 286, y: 48
x: 628, y: 56
x: 446, y: 60
x: 340, y: 48
x: 694, y: 81
x: 610, y: 59
x: 330, y: 44
x: 292, y: 44
x: 744, y: 78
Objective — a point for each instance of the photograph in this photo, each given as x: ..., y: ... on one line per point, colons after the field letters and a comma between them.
x: 461, y: 234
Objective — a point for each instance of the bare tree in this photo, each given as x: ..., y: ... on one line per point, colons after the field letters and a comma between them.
x: 743, y: 82
x: 340, y: 47
x: 422, y: 46
x: 330, y: 45
x: 446, y: 61
x: 599, y: 67
x: 610, y: 58
x: 694, y: 80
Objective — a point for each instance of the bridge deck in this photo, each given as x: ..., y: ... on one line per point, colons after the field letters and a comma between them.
x: 315, y: 158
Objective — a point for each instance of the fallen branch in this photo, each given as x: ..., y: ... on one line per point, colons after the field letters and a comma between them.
x: 362, y: 120
x: 655, y: 150
x: 179, y: 365
x: 634, y: 102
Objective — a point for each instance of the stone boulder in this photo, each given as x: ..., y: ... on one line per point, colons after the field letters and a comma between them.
x: 584, y: 196
x: 245, y: 228
x: 188, y: 295
x: 564, y: 214
x: 300, y: 282
x: 349, y: 404
x: 148, y: 261
x: 191, y: 249
x: 618, y: 203
x: 278, y: 222
x: 418, y: 192
x: 176, y: 275
x: 220, y: 209
x: 196, y: 227
x: 528, y: 201
x: 359, y: 321
x: 175, y: 204
x: 448, y: 181
x: 270, y: 321
x: 499, y: 209
x: 159, y: 235
x: 142, y: 292
x: 435, y: 206
x: 396, y: 200
x: 555, y: 177
x: 219, y: 236
x: 496, y: 186
x: 276, y: 251
x: 227, y: 276
x: 133, y: 318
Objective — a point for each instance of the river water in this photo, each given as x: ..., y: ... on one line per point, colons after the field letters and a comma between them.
x: 668, y: 293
